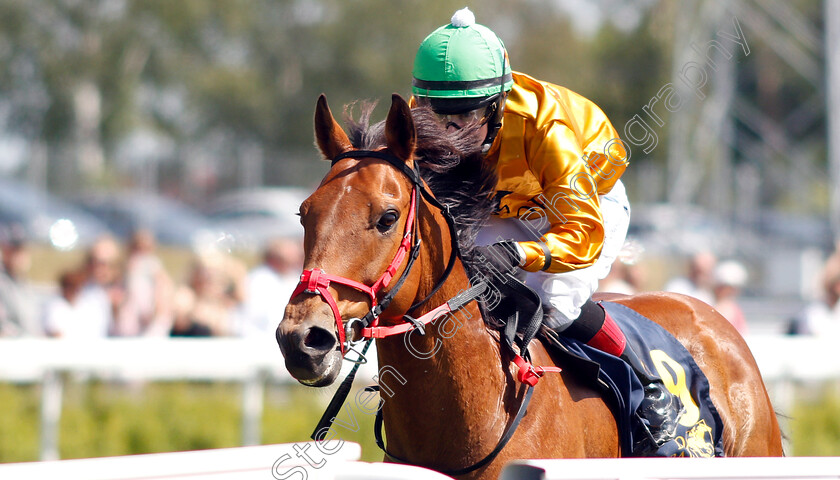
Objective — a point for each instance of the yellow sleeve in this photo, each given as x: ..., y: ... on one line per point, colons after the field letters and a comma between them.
x: 570, y: 199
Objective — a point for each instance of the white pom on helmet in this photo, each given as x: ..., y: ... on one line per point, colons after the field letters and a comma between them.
x: 462, y: 18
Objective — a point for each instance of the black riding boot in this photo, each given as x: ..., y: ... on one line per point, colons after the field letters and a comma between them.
x: 660, y: 408
x: 658, y: 411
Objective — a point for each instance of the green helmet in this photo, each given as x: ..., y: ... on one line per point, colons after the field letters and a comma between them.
x: 461, y: 60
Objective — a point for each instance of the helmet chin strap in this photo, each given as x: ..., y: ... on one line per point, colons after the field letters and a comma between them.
x: 494, y: 123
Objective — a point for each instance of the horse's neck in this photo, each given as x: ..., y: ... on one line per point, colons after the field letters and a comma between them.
x: 451, y: 398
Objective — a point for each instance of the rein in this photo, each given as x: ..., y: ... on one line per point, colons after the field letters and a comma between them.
x: 316, y: 282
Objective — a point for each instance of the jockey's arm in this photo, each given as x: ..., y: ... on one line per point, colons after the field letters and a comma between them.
x: 576, y: 232
x: 572, y: 176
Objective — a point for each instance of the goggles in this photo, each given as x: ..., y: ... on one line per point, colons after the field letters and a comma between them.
x: 450, y: 113
x: 478, y: 115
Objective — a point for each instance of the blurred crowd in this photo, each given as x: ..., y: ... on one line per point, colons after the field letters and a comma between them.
x: 717, y: 283
x: 822, y: 316
x: 125, y: 291
x: 720, y: 283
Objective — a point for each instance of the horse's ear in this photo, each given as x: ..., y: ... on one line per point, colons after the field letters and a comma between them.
x: 329, y: 136
x: 400, y: 133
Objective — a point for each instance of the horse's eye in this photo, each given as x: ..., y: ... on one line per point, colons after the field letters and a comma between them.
x: 387, y: 220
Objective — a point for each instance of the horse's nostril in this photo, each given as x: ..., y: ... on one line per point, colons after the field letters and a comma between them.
x: 319, y: 339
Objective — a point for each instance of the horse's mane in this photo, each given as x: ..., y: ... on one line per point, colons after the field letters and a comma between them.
x: 451, y: 163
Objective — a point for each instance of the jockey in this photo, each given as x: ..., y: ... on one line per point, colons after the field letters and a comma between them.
x: 563, y: 212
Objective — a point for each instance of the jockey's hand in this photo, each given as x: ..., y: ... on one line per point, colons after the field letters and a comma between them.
x: 504, y: 256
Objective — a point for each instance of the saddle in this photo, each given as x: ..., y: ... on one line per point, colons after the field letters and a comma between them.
x: 699, y: 429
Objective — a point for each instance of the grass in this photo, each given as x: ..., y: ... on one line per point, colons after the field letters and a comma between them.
x: 815, y: 424
x: 19, y: 423
x: 104, y: 419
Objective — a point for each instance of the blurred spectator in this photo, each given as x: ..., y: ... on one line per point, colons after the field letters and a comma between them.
x: 18, y: 302
x: 698, y: 283
x: 103, y: 295
x: 205, y: 305
x: 66, y: 316
x: 729, y: 278
x: 822, y: 317
x: 627, y: 275
x: 623, y: 278
x: 147, y: 308
x: 269, y: 287
x: 186, y: 321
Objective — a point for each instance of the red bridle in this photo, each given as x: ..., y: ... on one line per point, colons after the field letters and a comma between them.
x: 316, y: 281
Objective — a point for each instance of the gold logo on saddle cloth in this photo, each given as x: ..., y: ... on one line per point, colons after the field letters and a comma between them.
x: 698, y: 439
x: 697, y: 442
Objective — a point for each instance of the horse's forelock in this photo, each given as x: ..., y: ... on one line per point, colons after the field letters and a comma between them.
x: 362, y: 134
x: 450, y: 162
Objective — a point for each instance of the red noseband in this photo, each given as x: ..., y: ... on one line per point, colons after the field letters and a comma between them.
x: 315, y: 281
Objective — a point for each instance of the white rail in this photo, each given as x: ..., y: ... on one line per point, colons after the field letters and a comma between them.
x: 675, y: 469
x: 28, y: 360
x: 307, y: 460
x: 796, y: 358
x: 304, y: 460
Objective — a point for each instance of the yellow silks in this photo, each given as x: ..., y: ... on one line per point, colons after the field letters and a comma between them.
x: 556, y: 152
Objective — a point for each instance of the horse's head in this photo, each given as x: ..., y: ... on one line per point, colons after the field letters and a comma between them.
x: 356, y: 225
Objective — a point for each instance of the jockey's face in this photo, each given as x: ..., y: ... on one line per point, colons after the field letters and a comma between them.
x: 451, y: 118
x: 453, y: 122
x: 457, y: 121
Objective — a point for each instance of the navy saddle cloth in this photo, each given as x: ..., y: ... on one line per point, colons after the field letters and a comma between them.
x: 699, y: 430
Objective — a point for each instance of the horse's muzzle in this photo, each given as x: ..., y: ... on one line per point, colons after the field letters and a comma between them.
x: 311, y: 352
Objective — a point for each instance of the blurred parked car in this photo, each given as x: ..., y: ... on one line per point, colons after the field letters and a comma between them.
x: 254, y: 216
x: 46, y: 219
x: 795, y: 230
x: 687, y: 229
x: 682, y: 230
x: 172, y: 222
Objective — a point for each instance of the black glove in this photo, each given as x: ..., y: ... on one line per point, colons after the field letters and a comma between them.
x: 503, y: 256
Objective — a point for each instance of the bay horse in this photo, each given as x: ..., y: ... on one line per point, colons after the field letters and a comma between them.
x: 447, y: 408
